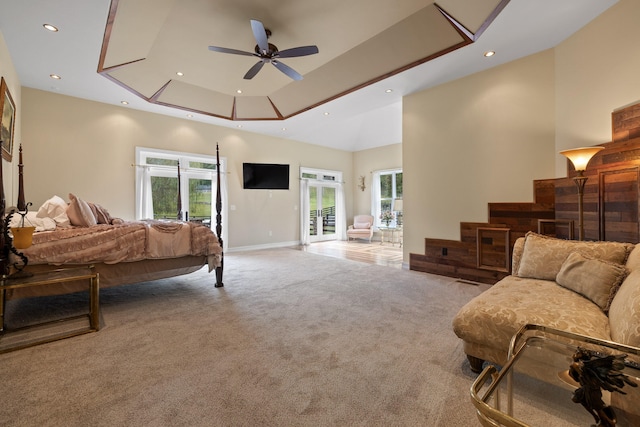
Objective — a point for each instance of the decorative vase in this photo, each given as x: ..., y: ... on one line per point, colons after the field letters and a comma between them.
x: 22, y: 236
x: 387, y: 222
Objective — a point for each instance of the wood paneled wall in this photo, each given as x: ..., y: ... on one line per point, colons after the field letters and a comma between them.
x: 610, y: 194
x: 461, y: 258
x: 611, y: 211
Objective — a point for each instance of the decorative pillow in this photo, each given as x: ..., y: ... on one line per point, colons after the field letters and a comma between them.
x: 594, y: 279
x: 79, y: 212
x: 543, y: 256
x: 101, y: 214
x: 361, y: 225
x: 56, y: 209
x: 624, y: 313
x: 633, y: 261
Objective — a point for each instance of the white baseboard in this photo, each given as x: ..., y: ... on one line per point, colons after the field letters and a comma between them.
x: 265, y: 246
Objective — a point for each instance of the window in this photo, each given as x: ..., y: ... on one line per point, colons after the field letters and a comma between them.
x: 157, y: 183
x: 386, y: 189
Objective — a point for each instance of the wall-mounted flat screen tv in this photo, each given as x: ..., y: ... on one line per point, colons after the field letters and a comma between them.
x: 265, y: 176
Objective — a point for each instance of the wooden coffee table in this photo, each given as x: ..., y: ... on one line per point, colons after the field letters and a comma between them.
x: 534, y: 388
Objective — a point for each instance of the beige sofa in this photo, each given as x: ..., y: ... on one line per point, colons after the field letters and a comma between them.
x: 589, y: 288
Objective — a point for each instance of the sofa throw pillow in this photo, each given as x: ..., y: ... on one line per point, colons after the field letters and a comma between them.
x: 542, y: 256
x: 79, y: 212
x: 633, y: 260
x: 594, y: 279
x: 361, y: 225
x: 624, y: 315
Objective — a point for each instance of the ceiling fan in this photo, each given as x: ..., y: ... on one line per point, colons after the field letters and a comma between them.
x: 268, y: 52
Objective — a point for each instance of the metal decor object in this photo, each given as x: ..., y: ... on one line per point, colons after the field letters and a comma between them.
x: 595, y: 373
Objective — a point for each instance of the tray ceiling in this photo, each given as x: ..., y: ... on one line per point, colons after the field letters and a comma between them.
x: 360, y: 42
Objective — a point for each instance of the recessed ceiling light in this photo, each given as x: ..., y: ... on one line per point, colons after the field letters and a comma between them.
x: 190, y: 116
x: 239, y: 91
x: 180, y: 73
x: 489, y: 53
x: 55, y: 76
x: 51, y: 28
x: 326, y: 113
x: 284, y: 128
x: 389, y: 90
x: 239, y: 126
x: 124, y: 102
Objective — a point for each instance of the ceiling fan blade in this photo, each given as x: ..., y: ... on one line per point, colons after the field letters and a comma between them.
x: 287, y: 70
x: 298, y: 51
x: 260, y: 34
x: 233, y: 51
x: 254, y: 70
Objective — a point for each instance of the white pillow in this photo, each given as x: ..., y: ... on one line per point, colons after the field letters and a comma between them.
x: 361, y: 225
x: 56, y: 209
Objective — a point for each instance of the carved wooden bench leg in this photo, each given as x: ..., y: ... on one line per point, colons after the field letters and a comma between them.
x: 476, y: 364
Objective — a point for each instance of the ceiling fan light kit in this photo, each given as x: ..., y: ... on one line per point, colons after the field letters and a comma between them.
x: 268, y: 52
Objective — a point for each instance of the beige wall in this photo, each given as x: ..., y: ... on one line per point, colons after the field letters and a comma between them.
x: 476, y: 140
x: 479, y: 139
x: 87, y: 148
x: 597, y: 72
x: 364, y: 163
x: 484, y: 138
x: 10, y: 170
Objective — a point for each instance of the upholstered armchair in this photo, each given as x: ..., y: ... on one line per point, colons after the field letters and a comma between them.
x: 362, y: 228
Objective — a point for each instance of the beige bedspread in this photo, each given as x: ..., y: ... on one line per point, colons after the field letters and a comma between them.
x: 126, y: 242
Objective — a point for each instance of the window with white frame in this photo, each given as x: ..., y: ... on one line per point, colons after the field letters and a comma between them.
x: 159, y: 175
x: 386, y: 197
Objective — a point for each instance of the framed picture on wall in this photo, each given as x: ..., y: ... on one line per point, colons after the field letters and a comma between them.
x: 7, y: 121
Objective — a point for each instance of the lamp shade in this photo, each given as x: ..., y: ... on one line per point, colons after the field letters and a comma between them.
x: 397, y: 205
x: 580, y: 156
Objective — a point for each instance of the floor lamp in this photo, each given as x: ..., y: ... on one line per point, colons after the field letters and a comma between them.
x: 580, y: 158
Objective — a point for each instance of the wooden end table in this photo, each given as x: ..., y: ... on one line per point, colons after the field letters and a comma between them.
x: 62, y: 275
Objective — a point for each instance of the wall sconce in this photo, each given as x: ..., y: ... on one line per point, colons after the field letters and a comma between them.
x: 361, y: 183
x: 580, y: 158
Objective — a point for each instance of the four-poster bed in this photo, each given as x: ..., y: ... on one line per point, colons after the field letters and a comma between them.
x: 122, y: 252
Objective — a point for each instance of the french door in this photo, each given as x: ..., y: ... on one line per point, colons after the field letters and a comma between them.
x: 162, y: 174
x: 322, y: 213
x: 322, y: 201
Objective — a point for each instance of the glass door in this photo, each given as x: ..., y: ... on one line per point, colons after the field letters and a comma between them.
x: 322, y: 211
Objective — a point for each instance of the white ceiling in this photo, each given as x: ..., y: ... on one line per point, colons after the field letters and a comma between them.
x: 365, y: 118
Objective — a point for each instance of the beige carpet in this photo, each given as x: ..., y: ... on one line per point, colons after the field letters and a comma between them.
x: 293, y: 339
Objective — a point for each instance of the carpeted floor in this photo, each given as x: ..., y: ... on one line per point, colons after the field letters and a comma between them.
x: 293, y: 339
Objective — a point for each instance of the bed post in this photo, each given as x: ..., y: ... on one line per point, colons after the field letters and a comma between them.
x: 220, y: 269
x: 179, y: 216
x: 22, y: 206
x: 4, y: 247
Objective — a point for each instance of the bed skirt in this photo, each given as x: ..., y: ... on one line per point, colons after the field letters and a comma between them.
x: 122, y: 273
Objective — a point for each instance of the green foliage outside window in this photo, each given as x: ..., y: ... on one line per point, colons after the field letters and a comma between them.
x: 164, y: 192
x: 390, y: 189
